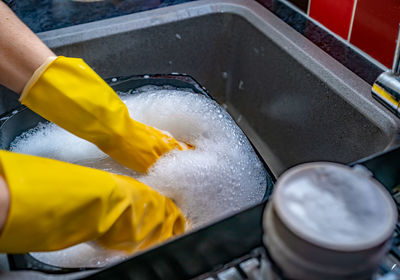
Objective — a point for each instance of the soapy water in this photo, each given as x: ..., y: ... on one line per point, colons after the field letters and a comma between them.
x: 220, y: 176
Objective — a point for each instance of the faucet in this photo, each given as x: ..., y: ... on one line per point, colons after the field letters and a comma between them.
x: 386, y: 88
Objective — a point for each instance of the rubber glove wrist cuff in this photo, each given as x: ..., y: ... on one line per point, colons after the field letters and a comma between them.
x: 36, y: 76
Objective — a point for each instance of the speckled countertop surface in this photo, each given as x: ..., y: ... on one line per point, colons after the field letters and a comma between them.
x: 44, y: 15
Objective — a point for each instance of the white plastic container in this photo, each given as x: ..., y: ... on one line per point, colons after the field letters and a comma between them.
x: 328, y: 221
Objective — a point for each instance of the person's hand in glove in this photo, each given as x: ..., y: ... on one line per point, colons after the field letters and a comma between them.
x: 54, y: 205
x: 48, y: 205
x: 69, y: 93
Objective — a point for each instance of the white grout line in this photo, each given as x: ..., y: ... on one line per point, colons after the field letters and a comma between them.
x: 353, y: 14
x: 308, y: 7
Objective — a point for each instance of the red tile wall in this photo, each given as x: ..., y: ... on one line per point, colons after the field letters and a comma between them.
x: 334, y: 14
x: 375, y: 28
x: 370, y: 25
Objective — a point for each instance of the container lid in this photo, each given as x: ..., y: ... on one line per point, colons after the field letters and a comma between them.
x: 335, y: 206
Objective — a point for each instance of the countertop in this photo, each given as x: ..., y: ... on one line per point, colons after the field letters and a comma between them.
x: 44, y: 15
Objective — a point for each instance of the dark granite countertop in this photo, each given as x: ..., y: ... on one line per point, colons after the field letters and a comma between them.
x: 44, y: 15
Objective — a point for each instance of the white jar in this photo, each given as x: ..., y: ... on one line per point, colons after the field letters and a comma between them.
x: 328, y: 221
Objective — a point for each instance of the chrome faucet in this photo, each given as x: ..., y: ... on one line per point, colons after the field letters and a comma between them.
x: 386, y: 88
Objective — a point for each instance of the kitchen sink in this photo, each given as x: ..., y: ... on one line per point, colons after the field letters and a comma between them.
x: 294, y: 102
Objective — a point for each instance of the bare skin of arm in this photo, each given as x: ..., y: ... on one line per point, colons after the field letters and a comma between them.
x: 4, y: 202
x: 21, y: 53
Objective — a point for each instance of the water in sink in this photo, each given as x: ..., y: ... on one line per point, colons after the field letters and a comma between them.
x: 222, y: 175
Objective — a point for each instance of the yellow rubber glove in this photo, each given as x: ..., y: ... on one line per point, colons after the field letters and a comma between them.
x: 69, y: 93
x: 54, y: 205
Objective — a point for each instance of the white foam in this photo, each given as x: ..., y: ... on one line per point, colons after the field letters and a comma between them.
x: 51, y: 141
x: 81, y: 255
x: 220, y: 176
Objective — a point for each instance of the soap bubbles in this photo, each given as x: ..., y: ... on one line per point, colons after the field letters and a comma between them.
x: 222, y: 175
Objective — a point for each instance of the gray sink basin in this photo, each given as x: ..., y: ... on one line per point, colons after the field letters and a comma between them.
x: 293, y: 101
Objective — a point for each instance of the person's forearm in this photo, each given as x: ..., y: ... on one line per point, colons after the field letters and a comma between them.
x: 21, y: 51
x: 4, y: 202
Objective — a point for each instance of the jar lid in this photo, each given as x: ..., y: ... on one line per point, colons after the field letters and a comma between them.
x: 335, y: 206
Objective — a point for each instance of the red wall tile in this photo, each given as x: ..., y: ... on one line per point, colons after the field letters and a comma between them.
x: 375, y: 28
x: 334, y: 14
